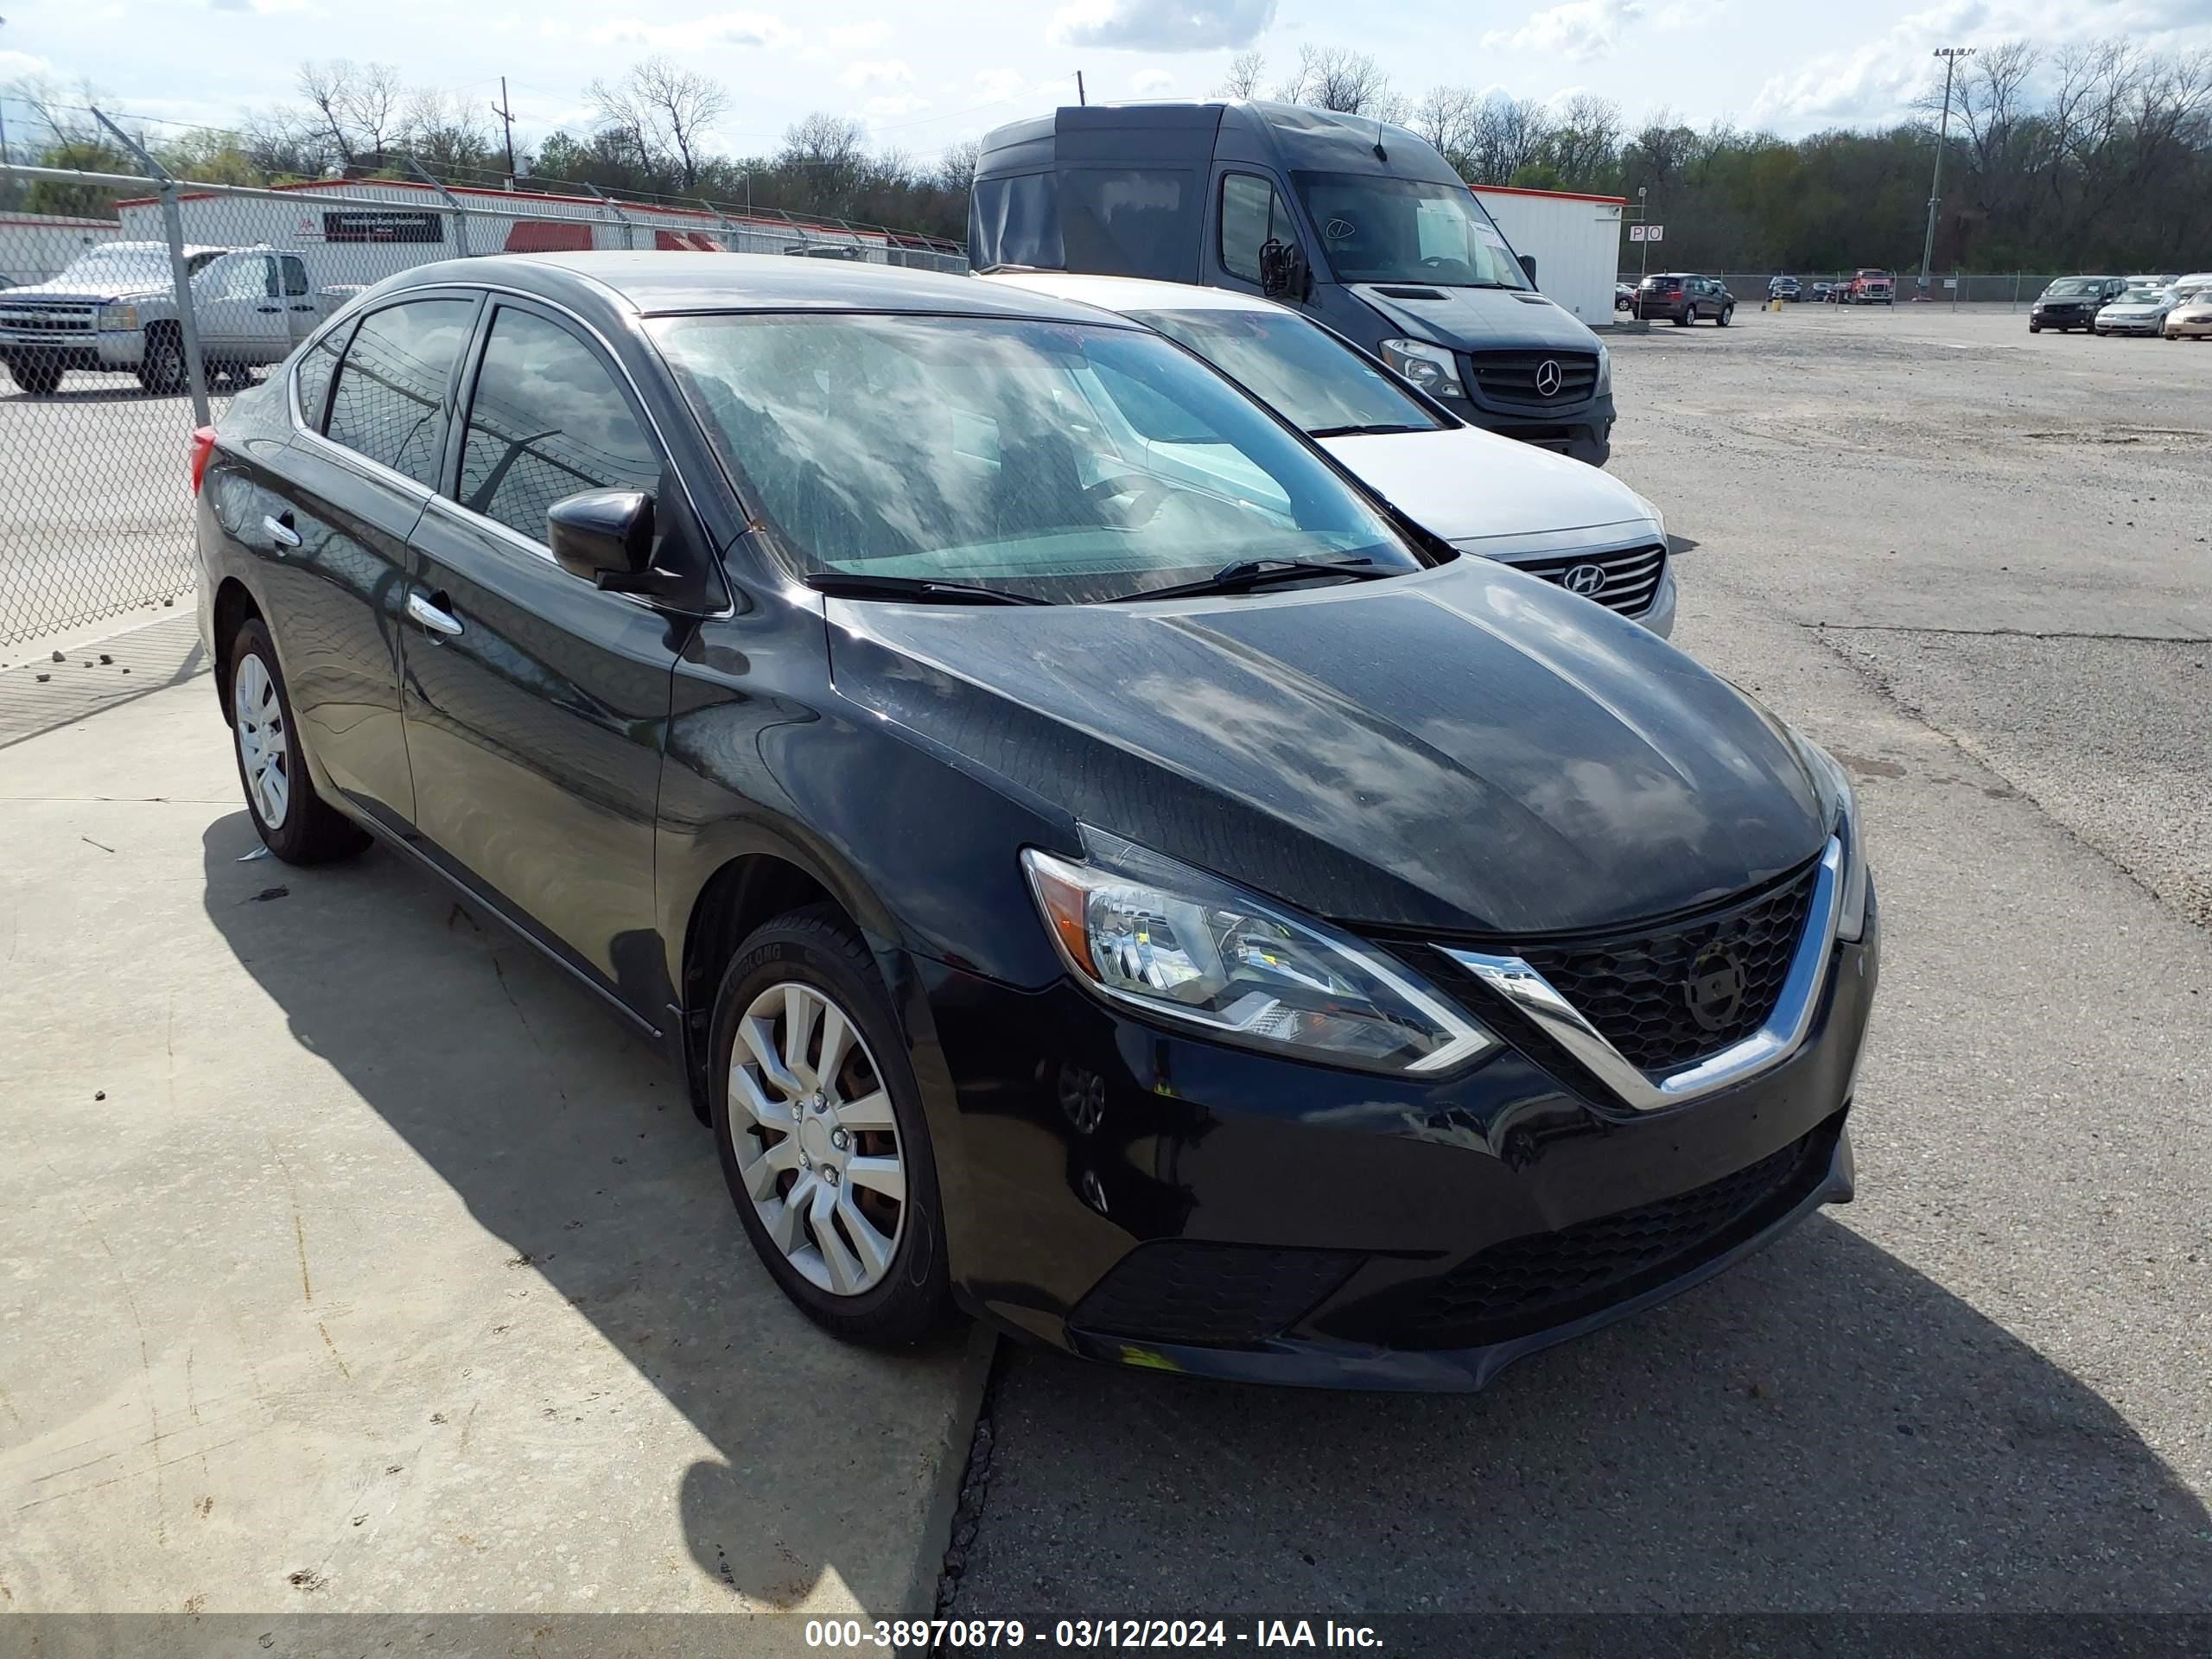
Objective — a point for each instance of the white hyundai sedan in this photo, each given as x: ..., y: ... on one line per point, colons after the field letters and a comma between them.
x: 1497, y: 497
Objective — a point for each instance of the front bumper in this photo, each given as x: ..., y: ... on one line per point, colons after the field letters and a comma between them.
x: 1156, y: 1200
x: 2061, y: 317
x: 2130, y: 325
x: 111, y: 351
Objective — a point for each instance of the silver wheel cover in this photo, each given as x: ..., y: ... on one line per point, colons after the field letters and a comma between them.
x: 265, y: 747
x: 817, y: 1140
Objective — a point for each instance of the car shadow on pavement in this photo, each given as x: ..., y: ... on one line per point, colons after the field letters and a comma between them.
x: 572, y: 1142
x: 1823, y: 1428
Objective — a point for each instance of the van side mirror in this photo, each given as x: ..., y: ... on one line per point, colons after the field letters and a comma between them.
x: 605, y: 536
x: 1284, y: 273
x: 1528, y: 268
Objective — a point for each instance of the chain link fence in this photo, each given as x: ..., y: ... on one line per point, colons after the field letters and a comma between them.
x: 119, y: 336
x: 2016, y: 289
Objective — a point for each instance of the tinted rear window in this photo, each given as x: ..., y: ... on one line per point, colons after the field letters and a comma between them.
x: 390, y: 402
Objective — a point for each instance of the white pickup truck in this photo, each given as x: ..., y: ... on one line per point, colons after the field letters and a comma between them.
x: 114, y: 310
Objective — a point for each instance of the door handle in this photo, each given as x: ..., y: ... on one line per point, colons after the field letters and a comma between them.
x: 429, y: 609
x: 280, y: 531
x: 303, y: 308
x: 268, y: 310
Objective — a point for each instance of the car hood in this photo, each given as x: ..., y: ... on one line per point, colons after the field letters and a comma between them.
x: 1463, y: 484
x: 1462, y: 750
x: 56, y: 293
x: 2135, y: 308
x: 1472, y: 318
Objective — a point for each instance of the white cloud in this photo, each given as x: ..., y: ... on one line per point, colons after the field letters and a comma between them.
x: 1161, y: 25
x: 992, y: 85
x: 856, y: 37
x: 1580, y: 29
x: 1152, y: 83
x: 21, y: 65
x: 891, y: 107
x: 879, y: 72
x: 743, y: 28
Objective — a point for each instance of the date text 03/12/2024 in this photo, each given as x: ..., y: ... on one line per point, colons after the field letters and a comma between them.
x: 936, y: 1635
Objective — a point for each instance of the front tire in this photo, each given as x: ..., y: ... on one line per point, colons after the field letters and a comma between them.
x: 40, y: 375
x: 818, y: 1121
x: 294, y: 821
x: 1726, y: 313
x: 162, y: 370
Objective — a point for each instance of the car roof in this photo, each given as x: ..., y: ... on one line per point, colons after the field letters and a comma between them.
x: 1127, y: 293
x: 661, y: 283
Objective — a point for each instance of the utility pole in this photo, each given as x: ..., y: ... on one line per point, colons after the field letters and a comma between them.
x: 1080, y: 97
x: 4, y: 159
x: 1644, y: 216
x: 507, y: 120
x: 1950, y: 54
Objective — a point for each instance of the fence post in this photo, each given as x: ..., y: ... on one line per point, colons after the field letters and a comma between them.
x: 607, y: 202
x: 188, y: 325
x: 460, y: 213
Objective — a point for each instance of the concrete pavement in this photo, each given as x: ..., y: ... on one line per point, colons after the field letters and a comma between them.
x: 355, y: 1262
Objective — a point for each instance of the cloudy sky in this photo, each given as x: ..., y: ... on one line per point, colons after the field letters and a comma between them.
x: 928, y: 72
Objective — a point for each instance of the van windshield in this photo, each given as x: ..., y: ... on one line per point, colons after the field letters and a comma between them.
x: 1051, y: 461
x: 1297, y: 368
x: 1385, y: 230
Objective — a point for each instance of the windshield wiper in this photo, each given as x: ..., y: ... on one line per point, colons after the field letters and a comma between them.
x: 1375, y: 431
x: 846, y: 584
x: 1246, y: 573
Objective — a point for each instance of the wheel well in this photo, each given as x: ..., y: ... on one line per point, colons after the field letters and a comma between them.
x: 232, y: 605
x: 737, y: 899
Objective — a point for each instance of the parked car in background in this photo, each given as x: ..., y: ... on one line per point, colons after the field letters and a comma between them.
x: 1783, y: 288
x: 1215, y: 933
x: 2167, y: 281
x: 1824, y: 291
x: 2135, y: 311
x: 1683, y: 297
x: 2072, y: 303
x: 1548, y: 514
x: 1623, y: 296
x: 1869, y: 285
x: 114, y: 308
x: 2191, y: 319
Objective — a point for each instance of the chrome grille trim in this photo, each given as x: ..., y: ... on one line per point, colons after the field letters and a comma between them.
x: 1632, y: 574
x: 1783, y: 1034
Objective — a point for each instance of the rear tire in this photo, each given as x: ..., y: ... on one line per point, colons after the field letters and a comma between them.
x: 791, y: 1149
x: 1684, y: 317
x: 292, y: 818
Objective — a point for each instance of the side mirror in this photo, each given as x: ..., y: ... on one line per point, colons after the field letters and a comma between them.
x: 606, y: 537
x: 1284, y: 273
x: 1528, y: 268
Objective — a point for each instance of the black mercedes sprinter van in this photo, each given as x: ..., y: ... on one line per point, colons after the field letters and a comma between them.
x: 1357, y: 222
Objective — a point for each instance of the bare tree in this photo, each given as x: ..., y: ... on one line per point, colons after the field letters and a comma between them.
x: 1509, y: 133
x: 444, y: 133
x: 955, y: 168
x: 664, y: 111
x: 1242, y: 79
x: 1584, y: 144
x: 354, y: 108
x: 1445, y: 117
x: 1337, y: 78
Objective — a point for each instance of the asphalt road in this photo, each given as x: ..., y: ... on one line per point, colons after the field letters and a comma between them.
x: 1975, y: 564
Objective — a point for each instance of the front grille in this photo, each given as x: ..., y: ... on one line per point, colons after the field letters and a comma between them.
x: 1632, y: 576
x: 1541, y: 1280
x: 1512, y: 376
x: 46, y: 322
x: 1182, y: 1290
x: 1634, y: 989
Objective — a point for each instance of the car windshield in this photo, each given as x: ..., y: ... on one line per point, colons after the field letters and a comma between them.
x: 1384, y: 230
x: 2141, y: 296
x: 2072, y: 287
x: 1298, y: 369
x: 1061, y: 461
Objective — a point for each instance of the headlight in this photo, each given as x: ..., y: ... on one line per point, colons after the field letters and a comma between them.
x: 1843, y: 801
x: 122, y: 318
x: 1605, y: 370
x: 1190, y: 949
x: 1430, y: 367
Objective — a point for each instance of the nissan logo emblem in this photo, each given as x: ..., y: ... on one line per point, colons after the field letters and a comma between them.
x: 1584, y: 579
x: 1714, y: 989
x: 1547, y: 378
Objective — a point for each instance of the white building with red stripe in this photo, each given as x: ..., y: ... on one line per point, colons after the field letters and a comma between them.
x: 1575, y: 240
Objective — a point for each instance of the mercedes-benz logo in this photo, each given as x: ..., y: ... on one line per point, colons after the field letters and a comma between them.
x: 1548, y: 379
x: 1584, y: 579
x: 1714, y: 989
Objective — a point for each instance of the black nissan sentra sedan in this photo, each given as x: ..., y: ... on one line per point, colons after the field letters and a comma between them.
x: 1179, y: 911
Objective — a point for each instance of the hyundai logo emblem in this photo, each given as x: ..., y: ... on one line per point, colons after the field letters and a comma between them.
x: 1584, y: 579
x: 1547, y: 378
x: 1714, y: 989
